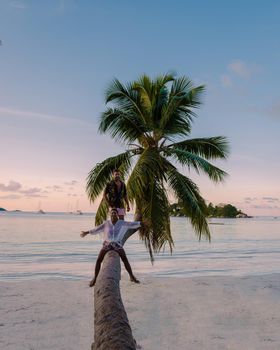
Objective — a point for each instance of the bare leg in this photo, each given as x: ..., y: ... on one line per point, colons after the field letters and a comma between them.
x: 99, y: 260
x: 127, y: 265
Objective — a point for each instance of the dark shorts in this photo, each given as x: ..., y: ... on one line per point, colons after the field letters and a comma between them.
x: 112, y: 246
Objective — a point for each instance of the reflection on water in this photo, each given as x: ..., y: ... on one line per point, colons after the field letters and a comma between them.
x: 48, y: 246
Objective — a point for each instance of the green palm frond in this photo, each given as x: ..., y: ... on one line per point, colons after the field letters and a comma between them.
x: 144, y: 88
x: 159, y: 105
x: 154, y: 207
x: 102, y: 172
x: 192, y: 160
x: 209, y: 148
x: 125, y: 98
x: 161, y: 96
x: 180, y: 86
x: 178, y: 113
x: 162, y: 80
x: 153, y: 95
x: 102, y: 211
x: 149, y: 166
x: 145, y: 188
x: 122, y: 125
x: 194, y: 205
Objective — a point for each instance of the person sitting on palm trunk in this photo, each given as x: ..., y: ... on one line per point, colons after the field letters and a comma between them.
x: 115, y: 194
x: 113, y: 231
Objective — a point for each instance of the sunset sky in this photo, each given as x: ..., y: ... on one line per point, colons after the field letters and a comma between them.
x: 58, y: 57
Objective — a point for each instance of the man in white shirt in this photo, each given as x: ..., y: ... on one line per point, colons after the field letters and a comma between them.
x: 113, y: 232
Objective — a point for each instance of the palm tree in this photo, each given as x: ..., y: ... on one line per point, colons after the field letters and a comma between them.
x: 153, y: 119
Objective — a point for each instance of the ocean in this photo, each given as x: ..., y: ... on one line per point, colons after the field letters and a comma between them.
x: 37, y: 246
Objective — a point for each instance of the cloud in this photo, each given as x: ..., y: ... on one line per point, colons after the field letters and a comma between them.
x: 242, y: 69
x: 55, y: 188
x: 17, y: 188
x: 271, y: 199
x: 41, y: 116
x: 13, y: 186
x: 18, y: 5
x: 265, y: 202
x: 265, y: 206
x: 262, y: 203
x: 35, y: 195
x: 273, y: 110
x: 61, y: 5
x: 265, y: 198
x: 226, y: 80
x: 250, y: 199
x: 10, y: 196
x: 31, y: 191
x: 71, y: 183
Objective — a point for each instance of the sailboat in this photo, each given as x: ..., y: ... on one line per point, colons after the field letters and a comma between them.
x: 40, y: 211
x: 69, y: 208
x: 78, y: 211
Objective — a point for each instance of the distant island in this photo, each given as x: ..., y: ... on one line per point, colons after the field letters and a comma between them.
x: 218, y: 211
x: 11, y: 211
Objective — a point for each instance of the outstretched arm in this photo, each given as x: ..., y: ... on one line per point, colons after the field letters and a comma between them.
x: 137, y: 224
x: 94, y: 231
x: 133, y: 224
x: 130, y: 227
x: 84, y: 233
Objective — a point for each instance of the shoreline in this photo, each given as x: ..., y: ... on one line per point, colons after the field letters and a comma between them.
x: 213, y: 312
x: 143, y: 275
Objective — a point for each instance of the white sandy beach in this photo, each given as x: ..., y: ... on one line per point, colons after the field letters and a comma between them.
x: 164, y: 313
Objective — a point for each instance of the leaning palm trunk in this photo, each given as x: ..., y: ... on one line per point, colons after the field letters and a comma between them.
x: 111, y: 327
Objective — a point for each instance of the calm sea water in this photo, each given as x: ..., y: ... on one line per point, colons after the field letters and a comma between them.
x: 35, y: 246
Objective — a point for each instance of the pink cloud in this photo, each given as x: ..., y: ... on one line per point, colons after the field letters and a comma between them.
x: 243, y: 69
x: 13, y: 186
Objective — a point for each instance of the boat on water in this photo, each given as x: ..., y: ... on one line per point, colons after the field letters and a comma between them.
x: 78, y: 211
x: 40, y: 211
x: 73, y: 212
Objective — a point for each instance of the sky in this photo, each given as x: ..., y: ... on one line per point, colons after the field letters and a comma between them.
x: 57, y: 58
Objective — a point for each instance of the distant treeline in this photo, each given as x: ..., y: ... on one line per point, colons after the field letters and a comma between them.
x: 218, y: 211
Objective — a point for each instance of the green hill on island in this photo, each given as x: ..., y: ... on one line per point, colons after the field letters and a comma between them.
x: 2, y: 209
x: 218, y: 211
